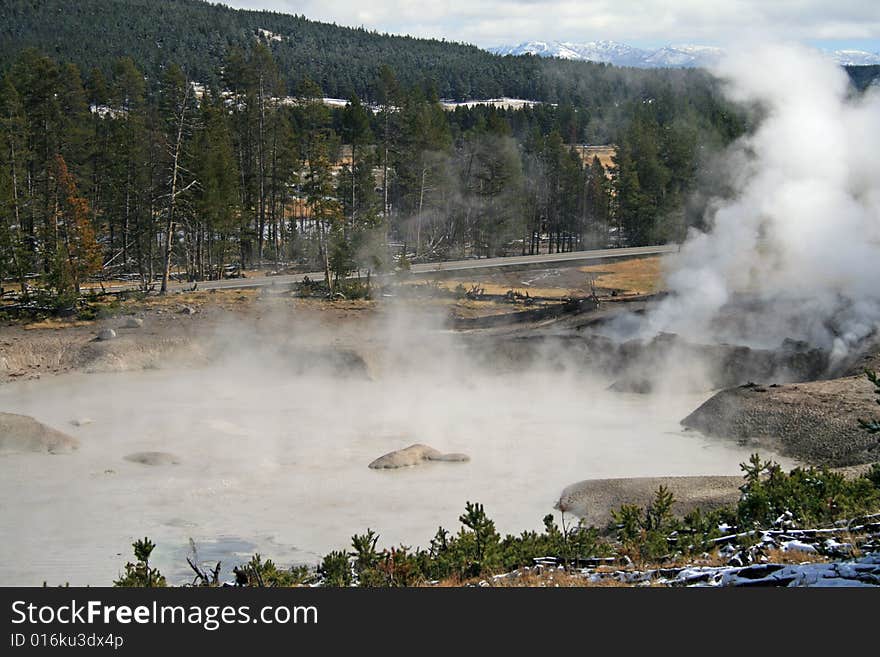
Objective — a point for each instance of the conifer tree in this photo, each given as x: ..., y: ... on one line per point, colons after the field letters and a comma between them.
x: 77, y: 252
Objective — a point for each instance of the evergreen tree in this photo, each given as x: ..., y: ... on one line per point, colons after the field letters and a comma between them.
x: 77, y: 254
x: 216, y: 198
x: 597, y: 204
x: 15, y: 258
x: 326, y: 215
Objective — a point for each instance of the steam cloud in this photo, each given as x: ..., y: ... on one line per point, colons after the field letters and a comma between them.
x: 794, y: 251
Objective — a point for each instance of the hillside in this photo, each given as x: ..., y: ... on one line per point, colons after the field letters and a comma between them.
x: 198, y: 35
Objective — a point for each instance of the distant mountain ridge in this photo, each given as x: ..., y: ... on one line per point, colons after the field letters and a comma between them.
x: 674, y: 56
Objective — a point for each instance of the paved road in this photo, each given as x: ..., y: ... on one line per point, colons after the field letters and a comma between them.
x: 439, y: 267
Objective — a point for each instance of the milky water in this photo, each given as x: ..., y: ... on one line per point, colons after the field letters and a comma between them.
x: 277, y: 463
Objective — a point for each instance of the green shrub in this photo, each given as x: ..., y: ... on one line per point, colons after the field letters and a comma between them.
x: 335, y: 569
x: 813, y: 496
x: 873, y: 475
x: 354, y: 289
x: 110, y: 310
x: 643, y: 533
x: 872, y: 426
x: 265, y: 573
x: 649, y: 534
x: 139, y: 574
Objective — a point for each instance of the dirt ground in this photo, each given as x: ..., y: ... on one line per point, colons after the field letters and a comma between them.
x: 30, y: 349
x: 173, y: 330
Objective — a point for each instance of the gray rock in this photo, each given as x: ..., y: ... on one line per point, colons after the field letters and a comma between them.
x: 21, y: 433
x: 106, y: 334
x: 452, y: 457
x: 186, y: 310
x: 414, y: 455
x: 815, y: 422
x: 152, y: 458
x: 81, y: 421
x: 593, y: 500
x: 133, y: 323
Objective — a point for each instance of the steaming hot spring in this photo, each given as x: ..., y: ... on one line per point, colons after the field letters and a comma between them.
x: 263, y: 443
x: 254, y: 435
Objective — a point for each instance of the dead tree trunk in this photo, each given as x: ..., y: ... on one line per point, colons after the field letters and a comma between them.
x: 175, y: 172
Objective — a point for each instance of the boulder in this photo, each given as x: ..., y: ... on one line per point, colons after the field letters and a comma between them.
x: 814, y: 422
x: 106, y: 334
x: 133, y: 323
x: 414, y: 455
x: 21, y: 433
x: 593, y: 500
x: 152, y: 458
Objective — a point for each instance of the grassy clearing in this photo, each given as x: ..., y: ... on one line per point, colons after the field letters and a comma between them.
x: 633, y: 276
x: 228, y: 299
x: 501, y: 289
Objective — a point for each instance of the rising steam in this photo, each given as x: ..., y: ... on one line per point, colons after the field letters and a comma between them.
x: 793, y: 252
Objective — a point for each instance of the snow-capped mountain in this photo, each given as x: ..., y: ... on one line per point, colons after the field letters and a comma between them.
x: 855, y: 57
x: 679, y: 56
x: 682, y: 56
x: 619, y: 54
x: 594, y: 51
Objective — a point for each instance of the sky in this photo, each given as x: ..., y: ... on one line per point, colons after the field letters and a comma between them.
x: 837, y: 24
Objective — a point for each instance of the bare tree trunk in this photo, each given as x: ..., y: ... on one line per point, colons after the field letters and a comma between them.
x: 353, y: 185
x: 419, y: 216
x: 385, y: 208
x: 15, y: 255
x: 261, y: 171
x: 175, y: 168
x: 125, y: 222
x: 326, y: 254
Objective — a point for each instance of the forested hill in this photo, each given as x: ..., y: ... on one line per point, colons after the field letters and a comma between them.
x: 198, y: 36
x: 863, y: 76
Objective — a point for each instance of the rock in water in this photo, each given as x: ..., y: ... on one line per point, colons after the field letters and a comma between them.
x: 452, y: 457
x: 106, y: 334
x: 21, y: 433
x: 414, y: 455
x: 81, y: 421
x: 152, y: 458
x: 133, y: 322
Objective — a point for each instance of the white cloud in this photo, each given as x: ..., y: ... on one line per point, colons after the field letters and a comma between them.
x: 490, y: 22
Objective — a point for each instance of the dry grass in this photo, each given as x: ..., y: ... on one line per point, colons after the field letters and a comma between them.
x: 532, y: 579
x: 546, y: 578
x: 776, y: 555
x: 712, y: 560
x: 632, y: 276
x: 605, y: 153
x: 552, y: 579
x: 222, y: 298
x: 56, y: 324
x: 501, y: 289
